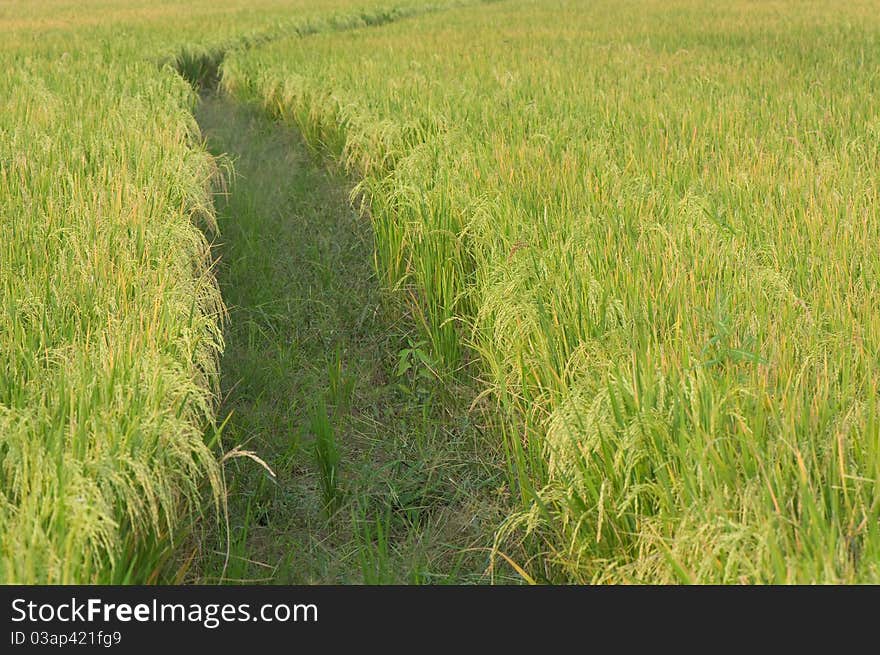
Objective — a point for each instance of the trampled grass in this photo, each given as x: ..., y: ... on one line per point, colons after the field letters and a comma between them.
x: 377, y: 477
x: 654, y: 222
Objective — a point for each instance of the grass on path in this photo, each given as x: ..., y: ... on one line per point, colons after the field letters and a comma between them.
x: 377, y: 479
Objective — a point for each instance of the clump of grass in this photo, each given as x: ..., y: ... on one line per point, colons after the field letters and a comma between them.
x: 326, y: 457
x: 341, y: 384
x: 374, y: 548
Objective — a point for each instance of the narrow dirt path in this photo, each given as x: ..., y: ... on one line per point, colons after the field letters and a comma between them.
x: 376, y: 480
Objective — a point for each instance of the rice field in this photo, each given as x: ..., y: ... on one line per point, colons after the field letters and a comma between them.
x: 639, y: 236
